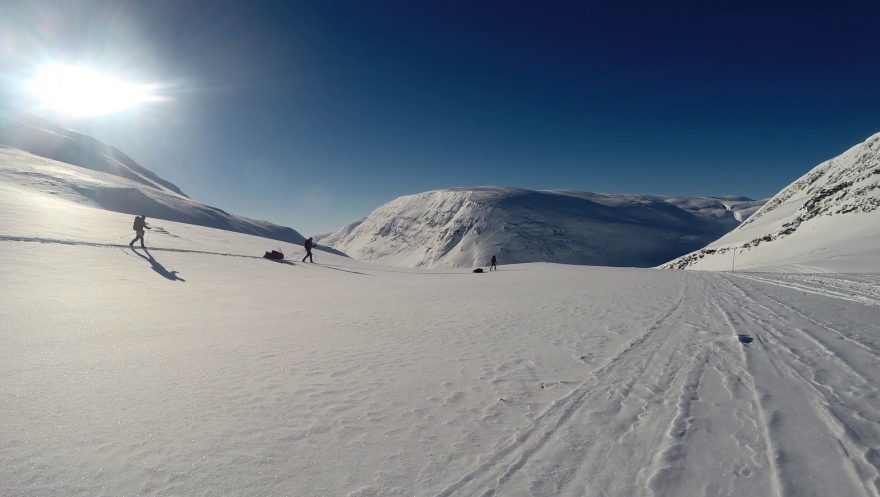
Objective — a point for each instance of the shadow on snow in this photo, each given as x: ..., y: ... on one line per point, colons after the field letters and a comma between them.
x: 157, y: 266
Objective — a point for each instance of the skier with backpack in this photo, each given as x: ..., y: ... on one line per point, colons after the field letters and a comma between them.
x: 308, y: 246
x: 492, y: 264
x: 140, y: 224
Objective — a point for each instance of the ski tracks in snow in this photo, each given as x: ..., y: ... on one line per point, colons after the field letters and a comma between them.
x: 80, y: 243
x: 794, y: 412
x: 551, y: 455
x: 864, y: 289
x: 819, y: 389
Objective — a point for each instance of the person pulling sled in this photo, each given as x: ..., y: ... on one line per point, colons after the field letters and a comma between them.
x: 308, y: 246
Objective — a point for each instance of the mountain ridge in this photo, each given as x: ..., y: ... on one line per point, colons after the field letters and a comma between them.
x: 834, y: 208
x: 464, y: 226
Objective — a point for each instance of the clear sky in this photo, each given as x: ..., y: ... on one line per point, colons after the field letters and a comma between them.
x: 311, y: 114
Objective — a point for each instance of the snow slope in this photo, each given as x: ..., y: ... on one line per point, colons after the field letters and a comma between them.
x: 465, y: 227
x: 196, y: 368
x: 827, y: 220
x: 46, y: 139
x: 41, y: 155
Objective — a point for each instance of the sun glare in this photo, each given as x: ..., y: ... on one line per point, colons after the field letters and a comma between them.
x: 82, y: 92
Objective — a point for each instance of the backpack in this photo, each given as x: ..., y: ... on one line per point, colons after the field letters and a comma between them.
x: 138, y: 223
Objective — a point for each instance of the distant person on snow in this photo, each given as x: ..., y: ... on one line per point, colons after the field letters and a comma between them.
x: 308, y: 245
x: 140, y: 224
x: 492, y: 265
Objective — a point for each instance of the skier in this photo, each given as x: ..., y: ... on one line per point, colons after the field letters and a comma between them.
x: 140, y: 223
x: 308, y: 246
x: 492, y: 264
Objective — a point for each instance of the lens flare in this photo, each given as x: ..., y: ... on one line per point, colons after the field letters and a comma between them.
x: 82, y: 92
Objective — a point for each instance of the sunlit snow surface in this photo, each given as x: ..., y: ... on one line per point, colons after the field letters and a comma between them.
x: 199, y: 369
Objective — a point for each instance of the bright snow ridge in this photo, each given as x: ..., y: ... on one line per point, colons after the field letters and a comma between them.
x: 40, y: 155
x: 197, y: 368
x: 827, y: 220
x: 464, y: 227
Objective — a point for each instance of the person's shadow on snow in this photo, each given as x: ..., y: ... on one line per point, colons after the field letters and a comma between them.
x: 158, y: 267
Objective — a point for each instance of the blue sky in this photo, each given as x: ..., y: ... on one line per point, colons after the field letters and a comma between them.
x: 311, y: 114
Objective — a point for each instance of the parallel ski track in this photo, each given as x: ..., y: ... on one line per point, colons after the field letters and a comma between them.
x: 866, y: 383
x: 60, y: 241
x: 850, y: 293
x: 867, y: 348
x: 684, y: 366
x: 501, y: 465
x: 720, y: 354
x: 799, y: 365
x: 751, y: 384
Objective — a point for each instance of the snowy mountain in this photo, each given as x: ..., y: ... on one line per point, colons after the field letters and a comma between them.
x: 827, y: 220
x: 464, y: 227
x: 43, y: 157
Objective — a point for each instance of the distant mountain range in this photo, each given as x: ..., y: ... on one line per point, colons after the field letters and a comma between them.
x: 464, y: 227
x: 827, y: 220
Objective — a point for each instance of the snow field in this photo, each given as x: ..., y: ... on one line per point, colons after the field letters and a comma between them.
x: 198, y: 368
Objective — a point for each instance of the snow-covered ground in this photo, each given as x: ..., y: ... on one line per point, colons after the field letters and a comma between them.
x: 196, y: 368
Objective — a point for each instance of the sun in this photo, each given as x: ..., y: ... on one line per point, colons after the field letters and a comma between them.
x: 82, y: 92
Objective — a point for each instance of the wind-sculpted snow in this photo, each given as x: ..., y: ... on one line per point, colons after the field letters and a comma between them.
x: 195, y: 367
x: 828, y: 218
x: 465, y: 227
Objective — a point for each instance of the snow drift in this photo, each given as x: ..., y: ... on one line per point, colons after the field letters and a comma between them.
x: 827, y: 220
x: 40, y: 155
x: 464, y: 227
